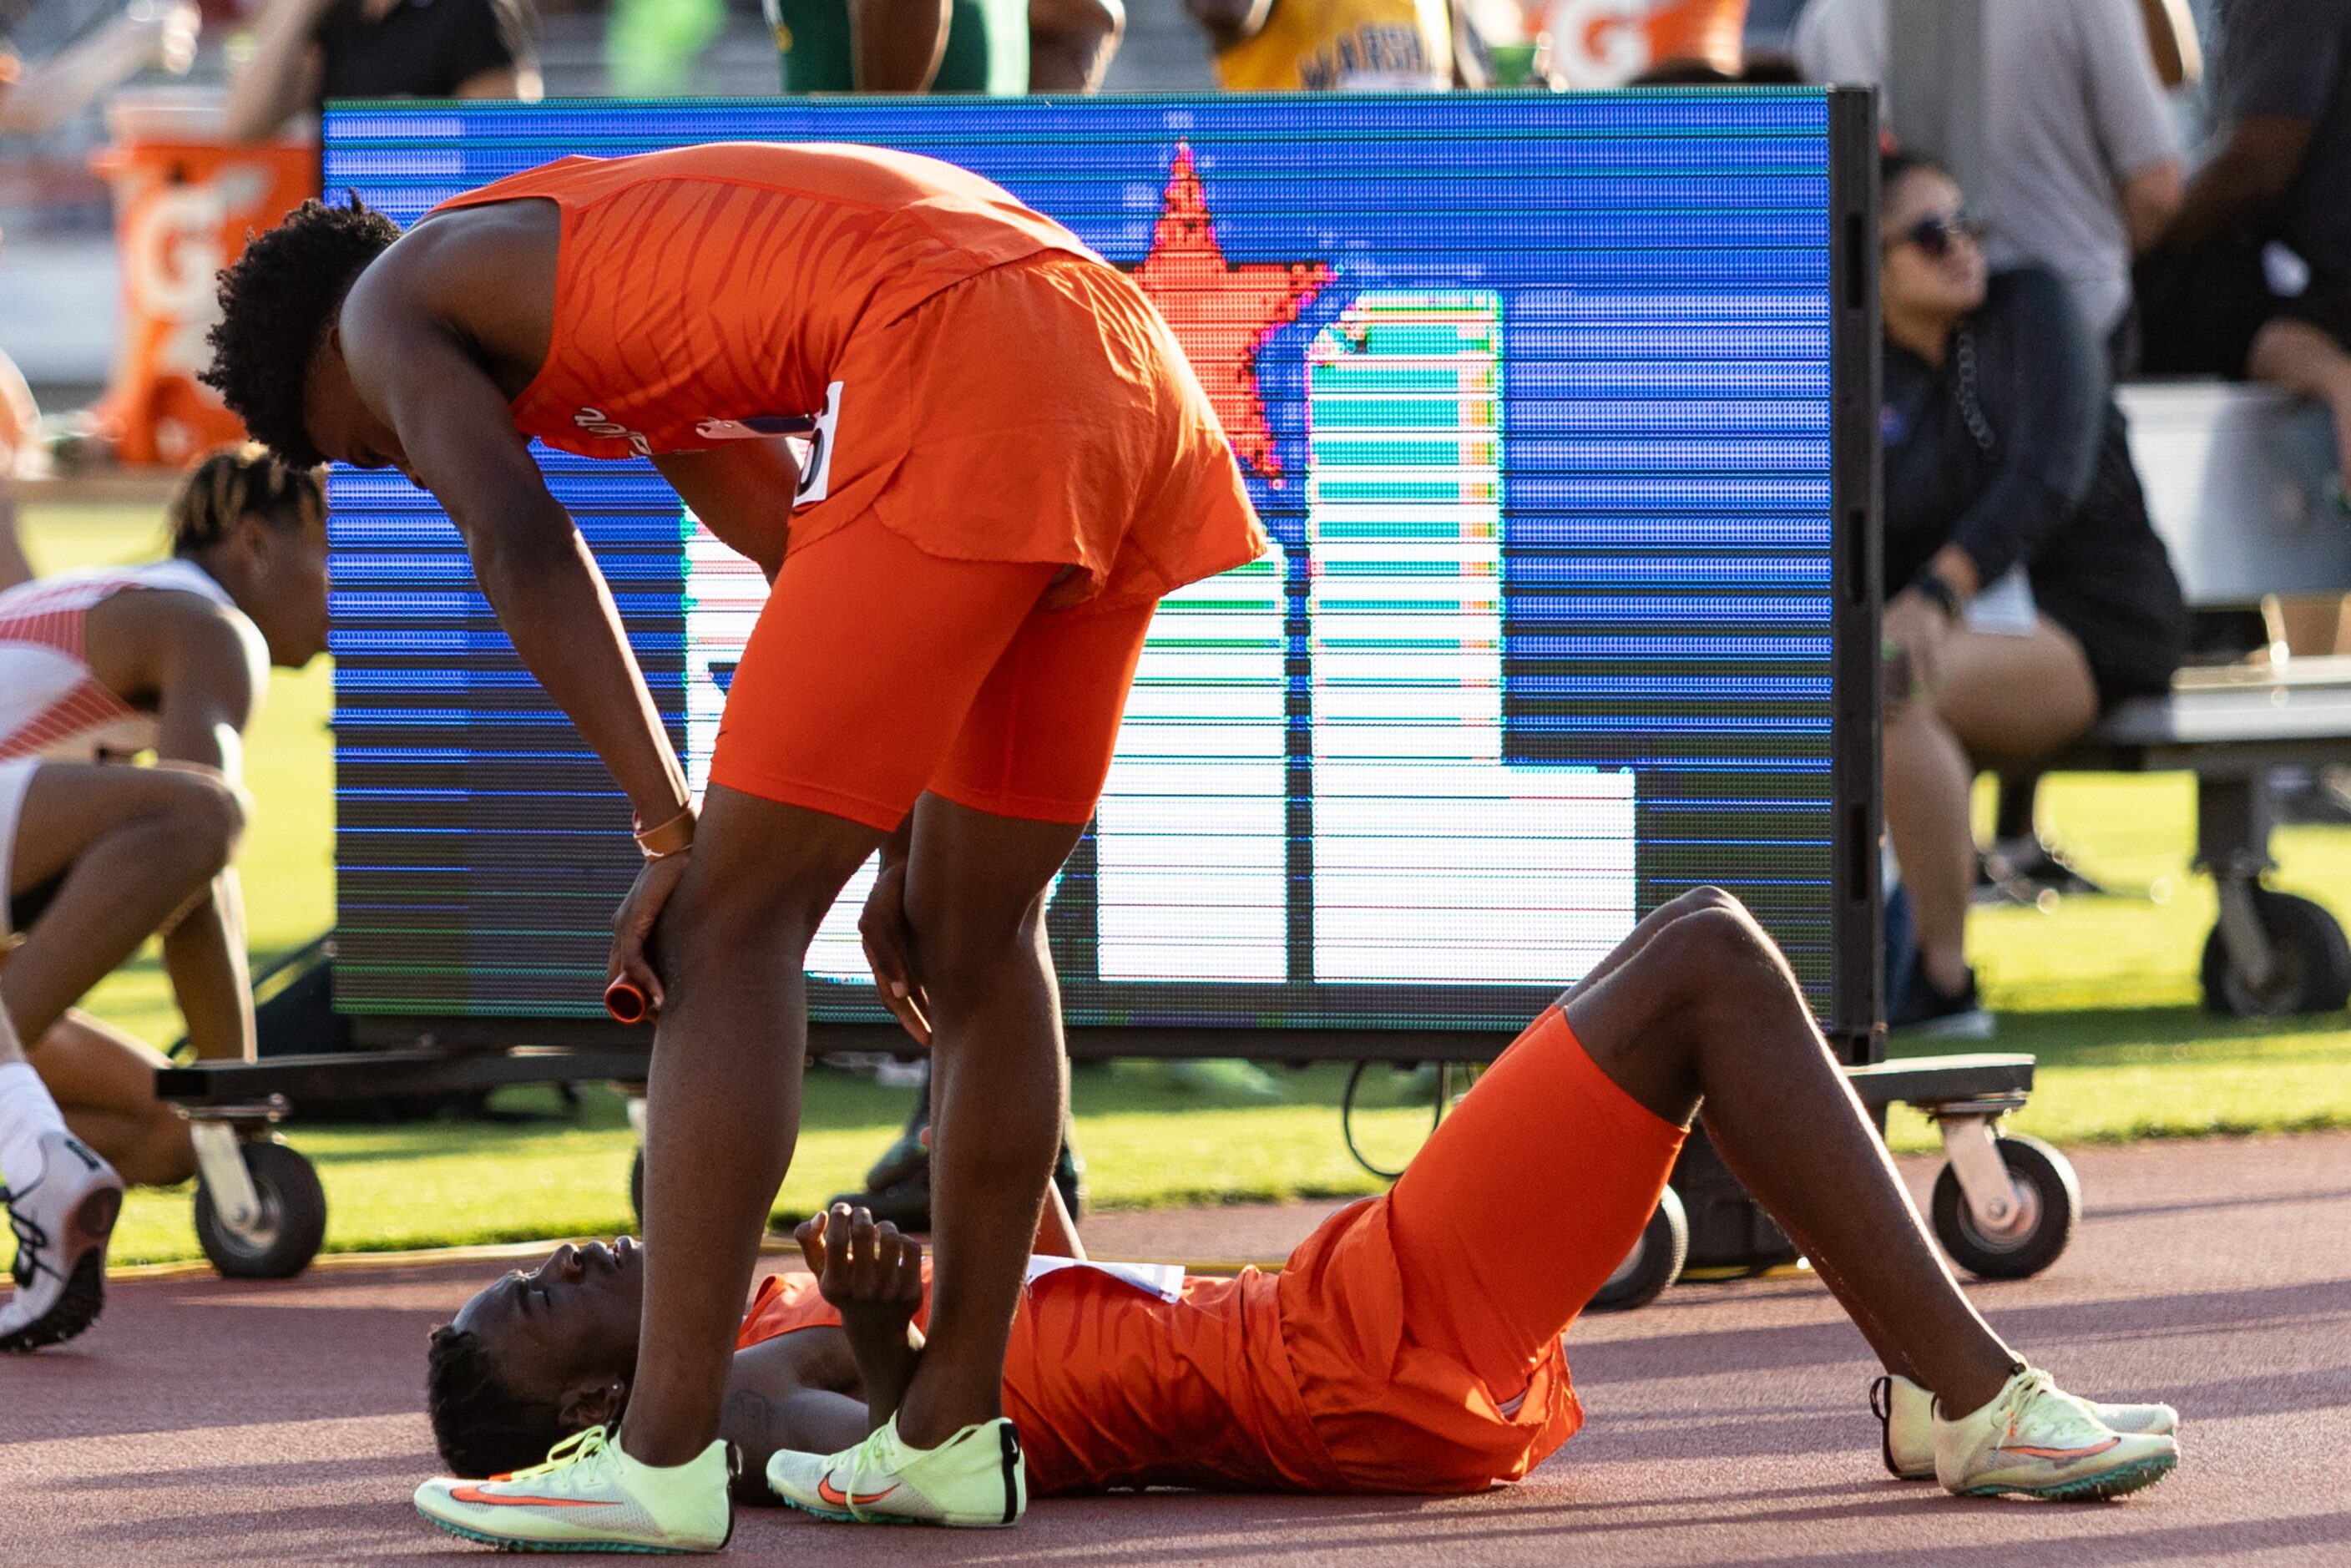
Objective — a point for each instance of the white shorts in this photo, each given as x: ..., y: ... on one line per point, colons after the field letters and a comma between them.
x: 15, y: 779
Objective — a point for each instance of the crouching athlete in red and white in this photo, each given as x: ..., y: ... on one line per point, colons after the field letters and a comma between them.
x: 1412, y: 1344
x: 97, y: 667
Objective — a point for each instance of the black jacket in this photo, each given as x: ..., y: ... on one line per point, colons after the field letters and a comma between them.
x: 2014, y: 450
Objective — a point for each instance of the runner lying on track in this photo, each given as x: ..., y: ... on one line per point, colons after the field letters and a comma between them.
x: 95, y: 856
x: 1413, y: 1343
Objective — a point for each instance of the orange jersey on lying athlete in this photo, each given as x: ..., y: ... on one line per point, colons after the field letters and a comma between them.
x: 1111, y: 1385
x: 703, y: 293
x: 1250, y: 1383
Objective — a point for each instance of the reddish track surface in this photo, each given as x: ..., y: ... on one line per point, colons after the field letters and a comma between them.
x: 206, y: 1421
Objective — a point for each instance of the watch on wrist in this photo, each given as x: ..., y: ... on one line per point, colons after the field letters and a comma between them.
x: 1936, y: 587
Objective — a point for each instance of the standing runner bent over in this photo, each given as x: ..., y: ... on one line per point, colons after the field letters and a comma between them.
x: 1010, y: 464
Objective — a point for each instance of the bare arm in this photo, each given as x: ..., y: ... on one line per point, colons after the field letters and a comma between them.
x: 772, y: 1403
x: 2243, y: 181
x: 84, y: 70
x: 534, y: 567
x: 2150, y: 197
x: 521, y: 83
x: 742, y: 491
x: 2171, y: 40
x: 529, y: 559
x: 13, y: 568
x: 1057, y: 1233
x: 1230, y: 22
x: 1070, y: 42
x: 896, y: 45
x: 214, y: 670
x: 281, y: 77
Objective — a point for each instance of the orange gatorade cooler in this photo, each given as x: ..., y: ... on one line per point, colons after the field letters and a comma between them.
x: 1607, y: 42
x: 185, y: 201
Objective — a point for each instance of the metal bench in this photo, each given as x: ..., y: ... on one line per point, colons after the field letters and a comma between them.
x: 2240, y: 483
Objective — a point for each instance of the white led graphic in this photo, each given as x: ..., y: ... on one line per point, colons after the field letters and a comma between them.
x: 1435, y: 860
x: 1191, y: 841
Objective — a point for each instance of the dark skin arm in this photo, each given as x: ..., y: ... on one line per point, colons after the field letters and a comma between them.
x: 2247, y: 177
x: 415, y: 364
x: 797, y: 1391
x: 1230, y: 22
x: 205, y: 671
x: 742, y: 491
x: 895, y: 45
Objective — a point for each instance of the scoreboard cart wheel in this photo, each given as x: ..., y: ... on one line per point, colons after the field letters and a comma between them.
x: 2047, y: 1207
x: 287, y: 1222
x: 1655, y: 1262
x: 2309, y: 968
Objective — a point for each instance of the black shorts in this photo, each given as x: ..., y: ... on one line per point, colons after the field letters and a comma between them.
x: 2199, y: 310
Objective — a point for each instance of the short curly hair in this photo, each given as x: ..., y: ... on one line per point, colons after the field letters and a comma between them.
x: 481, y: 1424
x: 276, y: 302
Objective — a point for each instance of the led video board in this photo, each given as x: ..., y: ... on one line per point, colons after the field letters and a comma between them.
x: 1539, y: 398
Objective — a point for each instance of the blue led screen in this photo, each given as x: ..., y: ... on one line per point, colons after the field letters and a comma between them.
x: 1533, y: 394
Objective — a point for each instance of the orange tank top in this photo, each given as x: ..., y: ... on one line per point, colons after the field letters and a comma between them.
x: 706, y: 293
x: 1113, y: 1386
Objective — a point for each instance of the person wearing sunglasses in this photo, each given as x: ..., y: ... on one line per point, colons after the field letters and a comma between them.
x: 2006, y: 468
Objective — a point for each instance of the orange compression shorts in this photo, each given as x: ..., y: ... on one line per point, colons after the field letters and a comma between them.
x: 877, y: 672
x: 1424, y: 1327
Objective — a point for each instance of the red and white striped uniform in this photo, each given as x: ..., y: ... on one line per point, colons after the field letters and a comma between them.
x: 52, y: 709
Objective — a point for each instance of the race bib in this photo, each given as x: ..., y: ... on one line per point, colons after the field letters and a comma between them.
x: 1164, y: 1280
x: 811, y: 438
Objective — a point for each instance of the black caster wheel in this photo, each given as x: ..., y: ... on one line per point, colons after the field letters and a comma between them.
x: 1655, y: 1262
x: 2049, y: 1207
x: 2311, y: 971
x: 288, y: 1224
x: 637, y: 1188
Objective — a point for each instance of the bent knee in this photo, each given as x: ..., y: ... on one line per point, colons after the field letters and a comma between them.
x: 205, y: 818
x: 1700, y: 899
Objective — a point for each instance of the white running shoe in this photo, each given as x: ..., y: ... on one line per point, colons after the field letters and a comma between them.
x: 976, y: 1479
x: 62, y: 1223
x: 2036, y: 1441
x: 591, y: 1496
x: 1907, y: 1413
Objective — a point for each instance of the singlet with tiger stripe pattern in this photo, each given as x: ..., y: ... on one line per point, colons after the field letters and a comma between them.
x: 722, y: 282
x: 52, y: 709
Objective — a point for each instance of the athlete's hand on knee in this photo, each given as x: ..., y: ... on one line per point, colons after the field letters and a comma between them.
x: 634, y: 924
x: 883, y: 928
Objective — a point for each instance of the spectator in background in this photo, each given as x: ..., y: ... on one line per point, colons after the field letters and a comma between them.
x: 2003, y: 449
x: 1320, y: 46
x: 2252, y: 276
x: 1072, y: 42
x: 36, y: 98
x: 2081, y: 155
x: 2082, y: 168
x: 307, y: 51
x: 902, y: 46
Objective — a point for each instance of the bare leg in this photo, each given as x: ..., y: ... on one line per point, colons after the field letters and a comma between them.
x: 143, y: 843
x: 723, y: 1103
x: 104, y: 1082
x: 975, y: 911
x: 1706, y: 1013
x: 2001, y: 698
